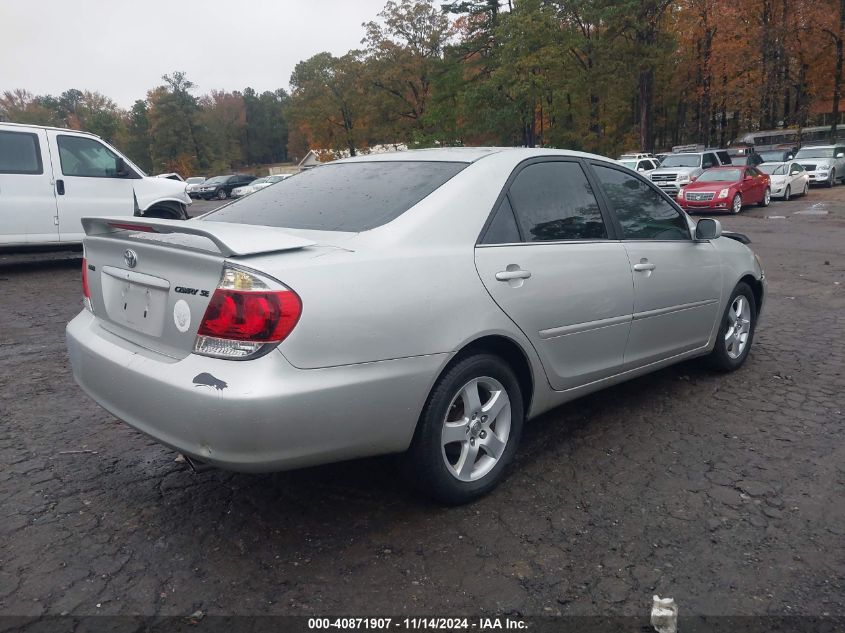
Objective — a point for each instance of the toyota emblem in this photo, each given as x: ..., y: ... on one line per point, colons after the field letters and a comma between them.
x: 130, y: 258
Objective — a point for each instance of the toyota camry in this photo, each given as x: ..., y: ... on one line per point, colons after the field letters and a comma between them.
x: 425, y: 302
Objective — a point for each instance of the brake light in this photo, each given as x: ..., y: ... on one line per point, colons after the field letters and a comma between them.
x: 132, y: 227
x: 247, y: 314
x: 86, y: 291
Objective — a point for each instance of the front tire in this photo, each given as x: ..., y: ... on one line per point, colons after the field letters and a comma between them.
x: 736, y: 204
x: 832, y: 180
x: 736, y: 333
x: 767, y: 198
x: 468, y: 431
x: 222, y: 195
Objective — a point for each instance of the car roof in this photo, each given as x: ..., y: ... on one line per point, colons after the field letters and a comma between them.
x: 724, y: 167
x: 50, y: 127
x: 467, y: 154
x: 818, y: 147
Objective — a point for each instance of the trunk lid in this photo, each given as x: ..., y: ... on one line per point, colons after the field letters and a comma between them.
x: 151, y: 280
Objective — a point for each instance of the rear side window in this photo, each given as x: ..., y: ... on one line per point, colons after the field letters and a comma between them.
x: 341, y: 197
x: 643, y: 213
x: 553, y: 201
x: 20, y: 153
x: 502, y: 229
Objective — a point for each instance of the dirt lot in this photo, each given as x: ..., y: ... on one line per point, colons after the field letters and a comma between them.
x: 725, y: 492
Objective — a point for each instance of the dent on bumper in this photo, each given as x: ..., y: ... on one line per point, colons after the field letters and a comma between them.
x: 253, y: 416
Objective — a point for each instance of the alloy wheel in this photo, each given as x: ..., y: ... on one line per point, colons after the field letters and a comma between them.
x: 476, y: 429
x: 739, y: 327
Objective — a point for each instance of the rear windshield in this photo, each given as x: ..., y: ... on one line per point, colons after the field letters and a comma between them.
x: 341, y: 197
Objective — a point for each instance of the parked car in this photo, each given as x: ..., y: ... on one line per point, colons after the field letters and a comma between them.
x: 777, y: 155
x: 192, y: 185
x: 726, y: 188
x: 257, y: 184
x: 51, y: 177
x: 221, y: 187
x: 635, y: 156
x: 787, y: 178
x: 269, y: 180
x: 325, y: 327
x: 749, y: 157
x: 679, y: 169
x: 642, y: 165
x: 824, y: 163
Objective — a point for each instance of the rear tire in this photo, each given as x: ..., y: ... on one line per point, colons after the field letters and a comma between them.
x: 787, y: 193
x: 464, y: 442
x: 806, y: 189
x: 767, y: 198
x: 736, y: 333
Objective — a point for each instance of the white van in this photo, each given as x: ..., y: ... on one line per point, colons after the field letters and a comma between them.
x: 52, y: 177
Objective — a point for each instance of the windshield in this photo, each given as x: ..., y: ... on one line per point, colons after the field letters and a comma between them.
x: 216, y: 180
x: 274, y: 178
x: 773, y: 170
x: 682, y: 160
x: 815, y: 152
x: 341, y: 196
x: 193, y: 180
x: 630, y: 164
x: 720, y: 175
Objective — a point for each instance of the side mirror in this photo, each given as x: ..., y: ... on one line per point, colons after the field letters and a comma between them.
x: 789, y: 157
x: 708, y: 229
x: 693, y: 178
x: 120, y: 170
x: 640, y: 169
x: 840, y: 155
x: 748, y: 177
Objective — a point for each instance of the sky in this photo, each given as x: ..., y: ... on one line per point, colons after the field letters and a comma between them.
x: 121, y: 48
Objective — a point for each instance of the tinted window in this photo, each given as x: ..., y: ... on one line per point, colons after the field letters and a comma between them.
x: 709, y: 161
x: 502, y: 229
x: 82, y: 156
x: 341, y: 197
x: 20, y: 153
x: 554, y: 201
x: 643, y: 213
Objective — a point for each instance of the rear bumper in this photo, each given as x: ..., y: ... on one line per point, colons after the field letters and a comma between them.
x: 268, y: 416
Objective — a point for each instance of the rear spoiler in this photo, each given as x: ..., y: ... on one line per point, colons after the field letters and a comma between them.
x: 231, y: 239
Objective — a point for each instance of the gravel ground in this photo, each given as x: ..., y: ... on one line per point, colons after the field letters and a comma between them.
x: 723, y: 491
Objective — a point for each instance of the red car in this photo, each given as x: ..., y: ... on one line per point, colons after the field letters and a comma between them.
x: 726, y: 188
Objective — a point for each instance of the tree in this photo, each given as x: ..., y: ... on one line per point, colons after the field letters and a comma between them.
x: 326, y: 100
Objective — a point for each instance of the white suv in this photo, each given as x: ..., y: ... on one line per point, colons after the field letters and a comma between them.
x: 824, y: 163
x: 51, y: 177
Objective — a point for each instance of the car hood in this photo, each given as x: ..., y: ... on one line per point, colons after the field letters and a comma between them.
x: 709, y: 186
x: 673, y: 170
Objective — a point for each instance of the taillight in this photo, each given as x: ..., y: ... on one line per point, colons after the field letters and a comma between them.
x: 86, y: 291
x: 248, y: 314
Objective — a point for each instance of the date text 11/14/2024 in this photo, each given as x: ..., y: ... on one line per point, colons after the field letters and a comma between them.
x: 418, y: 624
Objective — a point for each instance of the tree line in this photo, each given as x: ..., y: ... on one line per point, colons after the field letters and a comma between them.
x: 594, y: 75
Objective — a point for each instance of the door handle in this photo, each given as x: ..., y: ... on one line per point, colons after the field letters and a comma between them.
x: 644, y: 265
x: 507, y: 275
x: 60, y: 187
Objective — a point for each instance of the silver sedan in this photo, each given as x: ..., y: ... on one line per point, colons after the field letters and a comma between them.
x: 424, y: 302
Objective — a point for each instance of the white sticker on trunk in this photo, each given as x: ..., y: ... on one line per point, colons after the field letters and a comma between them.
x: 182, y: 315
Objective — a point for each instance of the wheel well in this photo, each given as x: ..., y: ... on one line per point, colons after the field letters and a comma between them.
x: 757, y: 288
x: 166, y: 210
x: 511, y: 353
